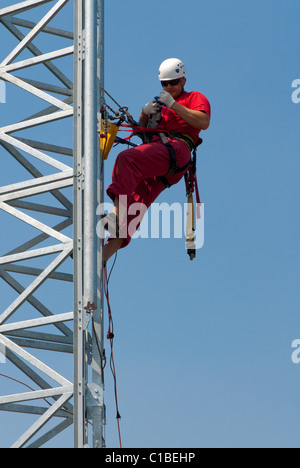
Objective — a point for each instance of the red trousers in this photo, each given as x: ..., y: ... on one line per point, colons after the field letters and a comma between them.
x: 137, y: 172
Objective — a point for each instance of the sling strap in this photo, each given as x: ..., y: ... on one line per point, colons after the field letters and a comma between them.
x: 174, y: 169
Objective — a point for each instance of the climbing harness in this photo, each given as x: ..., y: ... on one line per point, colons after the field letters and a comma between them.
x: 109, y: 137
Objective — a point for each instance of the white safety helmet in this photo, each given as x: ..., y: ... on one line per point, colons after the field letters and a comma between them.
x: 171, y: 69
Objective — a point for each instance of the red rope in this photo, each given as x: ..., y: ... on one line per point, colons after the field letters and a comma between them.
x: 139, y: 129
x: 136, y: 130
x: 110, y: 336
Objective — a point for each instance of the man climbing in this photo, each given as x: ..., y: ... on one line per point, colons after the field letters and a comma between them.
x: 140, y: 174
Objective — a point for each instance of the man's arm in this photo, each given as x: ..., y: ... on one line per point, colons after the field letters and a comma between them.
x: 197, y: 119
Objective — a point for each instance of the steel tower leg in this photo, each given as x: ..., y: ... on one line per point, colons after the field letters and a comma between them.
x: 89, y: 22
x: 98, y: 332
x: 53, y: 253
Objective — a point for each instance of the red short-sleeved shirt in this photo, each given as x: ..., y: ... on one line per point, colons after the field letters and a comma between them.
x: 172, y: 122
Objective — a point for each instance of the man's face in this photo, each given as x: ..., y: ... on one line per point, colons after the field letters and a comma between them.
x: 174, y: 89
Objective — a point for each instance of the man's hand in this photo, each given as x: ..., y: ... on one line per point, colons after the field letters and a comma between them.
x: 166, y: 99
x: 151, y: 108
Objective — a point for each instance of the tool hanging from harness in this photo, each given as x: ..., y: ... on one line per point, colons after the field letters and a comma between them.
x: 109, y: 137
x: 191, y: 185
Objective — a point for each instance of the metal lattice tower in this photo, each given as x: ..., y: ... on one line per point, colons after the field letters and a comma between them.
x: 63, y: 188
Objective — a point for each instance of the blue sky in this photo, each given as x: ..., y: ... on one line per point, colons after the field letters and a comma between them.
x: 203, y: 348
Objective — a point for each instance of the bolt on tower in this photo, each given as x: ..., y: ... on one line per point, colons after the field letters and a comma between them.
x: 51, y: 258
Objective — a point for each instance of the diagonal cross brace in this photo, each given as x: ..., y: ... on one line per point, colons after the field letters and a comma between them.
x: 35, y: 285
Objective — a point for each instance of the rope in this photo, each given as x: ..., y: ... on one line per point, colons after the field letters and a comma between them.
x: 123, y: 112
x: 110, y: 97
x: 110, y: 337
